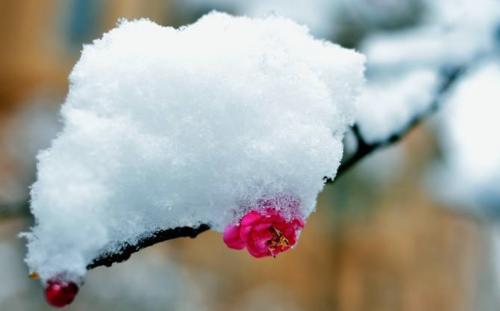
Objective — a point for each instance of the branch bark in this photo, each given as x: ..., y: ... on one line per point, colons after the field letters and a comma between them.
x: 14, y: 210
x: 126, y: 249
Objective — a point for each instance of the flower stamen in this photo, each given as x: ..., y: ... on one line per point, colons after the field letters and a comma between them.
x: 278, y: 243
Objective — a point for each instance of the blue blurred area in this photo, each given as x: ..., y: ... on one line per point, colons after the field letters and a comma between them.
x: 83, y: 22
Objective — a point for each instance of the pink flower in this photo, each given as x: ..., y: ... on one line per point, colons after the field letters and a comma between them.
x: 264, y: 232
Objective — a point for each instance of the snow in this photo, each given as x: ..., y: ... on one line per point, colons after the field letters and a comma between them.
x: 169, y: 127
x: 470, y: 174
x: 403, y: 65
x: 387, y: 106
x: 454, y: 32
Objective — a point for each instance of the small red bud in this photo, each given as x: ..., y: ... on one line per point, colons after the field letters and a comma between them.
x: 59, y: 293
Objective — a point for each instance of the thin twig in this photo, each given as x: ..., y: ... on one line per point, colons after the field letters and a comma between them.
x: 107, y: 258
x: 14, y: 210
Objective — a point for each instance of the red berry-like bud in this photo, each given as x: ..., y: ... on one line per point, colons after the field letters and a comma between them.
x: 59, y: 293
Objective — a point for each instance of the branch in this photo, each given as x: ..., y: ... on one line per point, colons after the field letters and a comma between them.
x: 14, y: 210
x: 449, y: 77
x: 126, y: 249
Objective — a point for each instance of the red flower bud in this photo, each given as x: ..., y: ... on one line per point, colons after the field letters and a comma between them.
x: 59, y: 293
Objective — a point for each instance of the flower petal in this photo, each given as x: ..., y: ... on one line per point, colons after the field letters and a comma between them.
x: 257, y: 253
x: 298, y: 223
x: 258, y: 249
x: 250, y: 218
x: 257, y: 243
x: 245, y: 232
x: 232, y: 237
x: 262, y: 227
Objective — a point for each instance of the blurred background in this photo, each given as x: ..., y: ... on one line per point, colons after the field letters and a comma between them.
x: 381, y: 238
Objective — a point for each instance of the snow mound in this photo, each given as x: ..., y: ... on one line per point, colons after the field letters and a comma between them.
x: 169, y: 127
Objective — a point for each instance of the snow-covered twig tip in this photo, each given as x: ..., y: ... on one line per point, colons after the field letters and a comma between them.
x: 448, y: 77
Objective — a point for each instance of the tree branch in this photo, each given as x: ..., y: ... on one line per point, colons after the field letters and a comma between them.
x: 14, y: 210
x: 449, y: 77
x: 126, y: 249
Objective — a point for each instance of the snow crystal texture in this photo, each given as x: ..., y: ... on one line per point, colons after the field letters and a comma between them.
x: 169, y: 127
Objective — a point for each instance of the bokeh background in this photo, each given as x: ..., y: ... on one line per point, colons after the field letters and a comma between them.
x: 378, y: 241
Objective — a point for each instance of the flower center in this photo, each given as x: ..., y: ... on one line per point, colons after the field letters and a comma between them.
x: 278, y: 242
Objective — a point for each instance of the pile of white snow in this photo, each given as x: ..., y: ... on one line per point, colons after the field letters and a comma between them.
x: 169, y: 127
x: 470, y: 127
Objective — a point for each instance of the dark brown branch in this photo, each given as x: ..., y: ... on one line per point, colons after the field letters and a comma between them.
x: 449, y: 77
x: 126, y: 249
x: 14, y: 210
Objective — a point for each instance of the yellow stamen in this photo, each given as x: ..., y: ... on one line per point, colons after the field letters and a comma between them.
x: 278, y: 242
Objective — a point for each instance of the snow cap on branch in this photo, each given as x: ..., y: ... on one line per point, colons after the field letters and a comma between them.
x: 388, y: 106
x: 169, y: 127
x: 454, y: 32
x: 470, y: 173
